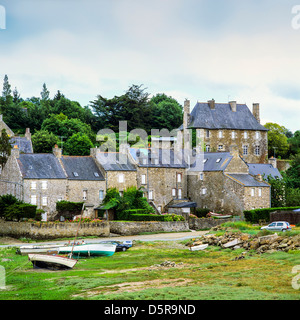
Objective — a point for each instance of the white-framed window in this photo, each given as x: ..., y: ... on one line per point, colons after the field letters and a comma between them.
x: 143, y: 179
x: 207, y: 133
x: 245, y: 150
x: 179, y: 177
x: 84, y: 195
x: 44, y: 185
x: 257, y: 150
x: 173, y: 192
x: 33, y: 185
x: 252, y: 192
x: 44, y: 201
x: 259, y: 192
x: 220, y: 147
x: 159, y: 208
x: 201, y: 176
x: 203, y: 190
x: 245, y: 135
x: 257, y: 135
x: 179, y: 193
x: 101, y: 195
x: 121, y: 178
x: 150, y: 195
x: 220, y: 134
x: 233, y: 135
x: 208, y: 148
x: 33, y: 199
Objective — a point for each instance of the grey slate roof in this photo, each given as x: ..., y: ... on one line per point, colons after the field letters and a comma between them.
x: 40, y: 166
x: 158, y: 158
x: 263, y: 169
x: 211, y: 161
x: 81, y: 168
x: 247, y: 180
x: 115, y: 161
x: 24, y: 145
x: 222, y: 117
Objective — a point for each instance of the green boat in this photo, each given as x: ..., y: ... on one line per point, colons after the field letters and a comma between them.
x: 89, y: 250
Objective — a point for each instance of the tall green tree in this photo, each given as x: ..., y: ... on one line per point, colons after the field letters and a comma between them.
x: 5, y: 148
x: 43, y: 141
x: 6, y: 92
x: 45, y: 93
x: 78, y: 145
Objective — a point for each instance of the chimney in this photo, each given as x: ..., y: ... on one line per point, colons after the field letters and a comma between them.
x: 258, y: 177
x: 15, y: 151
x: 273, y: 162
x: 211, y: 104
x: 255, y: 111
x: 57, y: 152
x: 186, y: 113
x: 233, y: 106
x: 28, y: 134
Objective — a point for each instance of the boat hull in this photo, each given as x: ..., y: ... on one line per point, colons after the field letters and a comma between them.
x: 38, y: 249
x: 199, y: 247
x: 52, y: 262
x: 87, y: 250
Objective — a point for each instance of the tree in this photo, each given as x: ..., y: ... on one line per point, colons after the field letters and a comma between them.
x: 78, y: 145
x: 292, y: 175
x: 6, y: 92
x: 45, y: 93
x: 294, y: 142
x: 5, y: 148
x: 278, y: 191
x: 277, y: 140
x: 43, y: 141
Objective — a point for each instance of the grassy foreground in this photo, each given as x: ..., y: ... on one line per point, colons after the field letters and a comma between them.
x: 213, y: 274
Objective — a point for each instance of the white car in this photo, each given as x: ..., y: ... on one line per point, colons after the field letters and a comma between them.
x: 278, y: 226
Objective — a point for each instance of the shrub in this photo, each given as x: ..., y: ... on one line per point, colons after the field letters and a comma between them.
x: 19, y: 211
x: 202, y: 212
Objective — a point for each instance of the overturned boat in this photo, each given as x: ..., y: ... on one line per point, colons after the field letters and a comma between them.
x: 88, y: 249
x: 52, y: 262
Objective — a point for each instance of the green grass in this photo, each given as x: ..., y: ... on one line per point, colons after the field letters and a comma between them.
x: 212, y: 274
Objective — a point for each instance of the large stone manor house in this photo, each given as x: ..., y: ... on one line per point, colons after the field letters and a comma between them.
x: 226, y: 176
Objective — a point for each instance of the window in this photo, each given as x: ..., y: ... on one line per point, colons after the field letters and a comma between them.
x: 121, y: 178
x: 150, y: 196
x: 208, y: 148
x: 220, y: 147
x: 259, y: 192
x: 207, y: 133
x: 101, y: 195
x: 75, y: 174
x: 33, y: 199
x: 245, y: 150
x: 245, y: 135
x: 218, y: 160
x: 143, y: 179
x: 33, y: 185
x: 204, y: 190
x: 252, y: 192
x: 220, y: 134
x: 201, y: 176
x: 44, y: 201
x: 256, y: 135
x: 179, y: 177
x: 233, y: 136
x: 96, y: 174
x: 159, y: 208
x: 173, y: 192
x: 257, y: 150
x: 84, y: 197
x: 60, y: 198
x: 205, y: 160
x: 179, y: 193
x: 44, y: 185
x: 121, y: 193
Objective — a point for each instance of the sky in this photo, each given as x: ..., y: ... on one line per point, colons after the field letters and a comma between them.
x: 247, y: 51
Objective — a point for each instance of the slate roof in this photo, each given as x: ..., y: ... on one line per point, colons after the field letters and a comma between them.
x: 211, y: 161
x: 158, y: 158
x: 40, y: 166
x: 263, y: 169
x: 247, y: 180
x: 24, y: 145
x: 81, y: 168
x: 115, y: 161
x: 222, y: 117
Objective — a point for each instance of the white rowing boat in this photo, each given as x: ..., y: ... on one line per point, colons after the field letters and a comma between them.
x: 52, y: 262
x: 199, y: 247
x: 38, y: 248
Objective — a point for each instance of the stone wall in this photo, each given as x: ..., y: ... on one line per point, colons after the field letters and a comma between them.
x: 52, y: 230
x: 136, y: 227
x: 289, y: 216
x: 205, y: 223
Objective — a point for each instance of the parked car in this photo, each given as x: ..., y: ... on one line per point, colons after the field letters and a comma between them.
x: 278, y: 226
x: 119, y: 245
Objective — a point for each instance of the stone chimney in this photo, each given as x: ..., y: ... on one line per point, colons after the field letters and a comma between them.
x: 211, y: 104
x: 273, y: 162
x: 28, y: 134
x: 15, y: 151
x: 57, y: 152
x: 186, y: 113
x: 233, y: 106
x: 258, y: 178
x: 255, y: 111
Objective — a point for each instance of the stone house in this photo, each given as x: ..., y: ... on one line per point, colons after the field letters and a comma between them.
x: 224, y: 184
x: 161, y: 173
x: 220, y: 125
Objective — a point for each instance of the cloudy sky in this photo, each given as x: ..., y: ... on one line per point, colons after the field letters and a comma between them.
x: 248, y: 50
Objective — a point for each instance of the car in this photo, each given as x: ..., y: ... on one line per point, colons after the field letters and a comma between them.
x: 119, y: 246
x: 277, y: 226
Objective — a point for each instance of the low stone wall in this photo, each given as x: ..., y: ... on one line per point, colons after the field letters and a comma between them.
x: 52, y: 230
x: 130, y: 228
x: 205, y: 223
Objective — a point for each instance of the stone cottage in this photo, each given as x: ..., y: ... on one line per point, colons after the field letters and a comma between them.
x: 220, y: 125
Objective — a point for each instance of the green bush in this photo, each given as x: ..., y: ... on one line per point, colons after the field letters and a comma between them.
x: 67, y: 206
x: 19, y: 211
x: 255, y: 215
x: 202, y: 212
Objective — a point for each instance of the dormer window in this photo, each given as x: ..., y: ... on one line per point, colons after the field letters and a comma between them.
x: 75, y: 174
x: 96, y: 174
x: 218, y: 160
x: 205, y: 160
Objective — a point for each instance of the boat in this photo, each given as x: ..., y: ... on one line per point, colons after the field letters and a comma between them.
x: 199, y: 247
x: 219, y: 215
x: 52, y: 262
x: 89, y: 249
x: 23, y: 250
